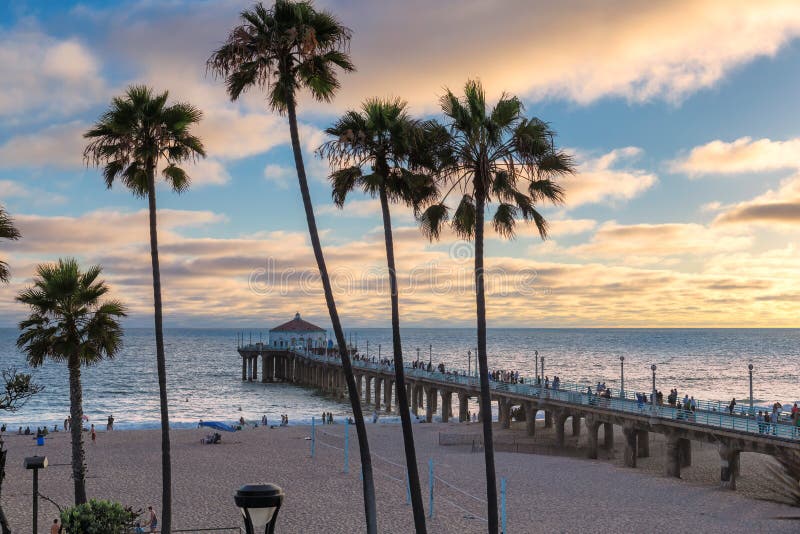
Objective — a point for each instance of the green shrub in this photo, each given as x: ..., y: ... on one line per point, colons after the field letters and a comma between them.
x: 98, y: 517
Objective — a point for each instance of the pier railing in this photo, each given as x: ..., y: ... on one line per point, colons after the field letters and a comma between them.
x: 707, y: 413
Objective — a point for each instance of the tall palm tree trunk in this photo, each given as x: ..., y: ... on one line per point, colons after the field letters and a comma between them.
x: 483, y: 364
x: 166, y: 462
x: 4, y: 528
x: 76, y: 412
x: 370, y: 512
x: 400, y: 375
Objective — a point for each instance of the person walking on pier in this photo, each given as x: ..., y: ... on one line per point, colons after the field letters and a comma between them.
x: 732, y: 405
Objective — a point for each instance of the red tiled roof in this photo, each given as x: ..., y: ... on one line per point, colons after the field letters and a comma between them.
x: 297, y: 325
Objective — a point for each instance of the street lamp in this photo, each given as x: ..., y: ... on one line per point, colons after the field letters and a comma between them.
x: 536, y: 355
x: 35, y: 463
x: 469, y: 363
x: 430, y: 353
x: 653, y: 394
x: 622, y: 377
x: 259, y: 504
x: 542, y: 360
x: 417, y: 353
x: 750, y: 368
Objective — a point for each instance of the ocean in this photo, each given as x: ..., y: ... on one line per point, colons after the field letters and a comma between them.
x: 204, y: 370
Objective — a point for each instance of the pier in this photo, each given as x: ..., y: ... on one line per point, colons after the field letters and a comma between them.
x: 432, y: 392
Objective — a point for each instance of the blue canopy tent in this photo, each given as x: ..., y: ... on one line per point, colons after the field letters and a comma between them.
x: 217, y: 425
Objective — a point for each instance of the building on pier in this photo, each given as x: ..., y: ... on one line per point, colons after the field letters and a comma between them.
x: 297, y: 334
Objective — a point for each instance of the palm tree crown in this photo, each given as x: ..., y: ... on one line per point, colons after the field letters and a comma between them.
x: 68, y: 319
x: 7, y: 231
x: 498, y: 155
x: 139, y: 131
x: 282, y: 49
x: 385, y: 139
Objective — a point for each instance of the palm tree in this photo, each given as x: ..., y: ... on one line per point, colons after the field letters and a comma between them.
x: 136, y: 137
x: 284, y: 49
x: 7, y: 231
x: 70, y: 323
x: 384, y: 138
x: 493, y: 158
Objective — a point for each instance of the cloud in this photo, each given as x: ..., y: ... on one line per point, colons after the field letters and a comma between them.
x: 44, y: 76
x: 207, y: 172
x: 59, y: 146
x: 607, y: 179
x: 264, y: 277
x: 775, y: 208
x: 640, y: 51
x: 36, y: 196
x: 651, y: 244
x: 740, y: 156
x: 279, y: 175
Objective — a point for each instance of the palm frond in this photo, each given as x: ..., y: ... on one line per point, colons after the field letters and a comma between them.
x: 432, y: 220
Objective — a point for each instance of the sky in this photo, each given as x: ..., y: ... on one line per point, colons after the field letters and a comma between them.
x: 681, y: 115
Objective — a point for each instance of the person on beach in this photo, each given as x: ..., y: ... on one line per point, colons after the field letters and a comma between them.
x: 55, y: 528
x: 66, y: 425
x: 375, y: 417
x: 330, y: 418
x: 153, y: 520
x: 324, y: 418
x: 94, y: 434
x: 110, y: 424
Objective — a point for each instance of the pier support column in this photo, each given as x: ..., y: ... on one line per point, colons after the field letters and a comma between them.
x: 548, y: 419
x: 673, y: 457
x: 255, y: 368
x: 263, y: 368
x: 729, y: 466
x: 560, y: 420
x: 530, y: 418
x: 270, y: 368
x: 447, y: 399
x: 463, y: 407
x: 377, y: 393
x: 504, y: 412
x: 358, y: 385
x: 608, y: 436
x: 430, y: 405
x: 420, y: 397
x: 414, y: 399
x: 643, y: 444
x: 244, y: 369
x: 409, y: 390
x: 592, y: 427
x: 249, y: 369
x: 367, y: 389
x: 631, y: 435
x: 685, y: 452
x: 576, y: 425
x: 388, y: 386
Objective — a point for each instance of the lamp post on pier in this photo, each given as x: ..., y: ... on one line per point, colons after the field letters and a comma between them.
x: 653, y: 394
x: 622, y: 377
x: 536, y: 357
x: 469, y: 363
x: 417, y: 353
x: 750, y: 369
x: 430, y: 353
x: 542, y: 361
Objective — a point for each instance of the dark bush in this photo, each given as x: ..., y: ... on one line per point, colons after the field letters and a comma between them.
x: 98, y: 517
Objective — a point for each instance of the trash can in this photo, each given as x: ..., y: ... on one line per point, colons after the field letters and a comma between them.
x: 40, y: 440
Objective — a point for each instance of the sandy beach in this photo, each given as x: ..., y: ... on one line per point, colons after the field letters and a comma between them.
x: 546, y: 493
